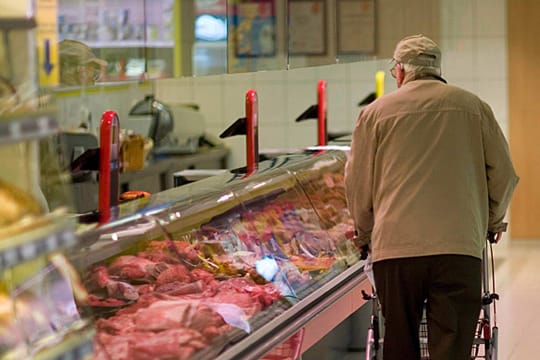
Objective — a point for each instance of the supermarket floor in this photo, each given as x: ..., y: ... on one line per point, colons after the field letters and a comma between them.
x: 518, y: 310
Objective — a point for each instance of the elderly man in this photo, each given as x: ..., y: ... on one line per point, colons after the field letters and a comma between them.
x: 429, y: 175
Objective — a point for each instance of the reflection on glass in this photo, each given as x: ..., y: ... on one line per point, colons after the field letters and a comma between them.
x: 255, y: 40
x: 135, y: 38
x: 210, y: 28
x: 355, y: 17
x: 78, y: 64
x: 310, y: 33
x: 40, y: 302
x: 210, y: 32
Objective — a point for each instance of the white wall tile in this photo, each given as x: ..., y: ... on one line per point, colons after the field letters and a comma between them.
x: 171, y: 90
x: 278, y: 76
x: 339, y: 109
x: 363, y: 71
x: 359, y: 90
x: 490, y: 19
x: 299, y: 97
x: 272, y: 136
x: 456, y: 18
x: 458, y: 57
x: 467, y: 84
x: 237, y: 147
x: 335, y: 72
x: 234, y: 100
x: 272, y: 103
x: 495, y: 93
x: 246, y: 79
x: 302, y: 134
x: 492, y: 60
x: 208, y: 96
x: 301, y: 74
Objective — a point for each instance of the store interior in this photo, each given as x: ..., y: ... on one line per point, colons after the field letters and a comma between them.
x: 184, y: 155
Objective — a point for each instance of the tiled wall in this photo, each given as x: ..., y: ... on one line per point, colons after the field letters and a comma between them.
x: 73, y: 106
x: 474, y: 45
x: 473, y: 41
x: 472, y: 37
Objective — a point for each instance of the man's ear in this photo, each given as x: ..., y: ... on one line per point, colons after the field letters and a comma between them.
x: 400, y: 74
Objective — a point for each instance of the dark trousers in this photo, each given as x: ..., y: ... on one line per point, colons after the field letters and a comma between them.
x: 451, y: 285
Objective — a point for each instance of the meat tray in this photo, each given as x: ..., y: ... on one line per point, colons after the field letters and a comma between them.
x: 206, y: 267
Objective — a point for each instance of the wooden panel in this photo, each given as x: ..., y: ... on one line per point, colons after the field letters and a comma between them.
x: 524, y: 101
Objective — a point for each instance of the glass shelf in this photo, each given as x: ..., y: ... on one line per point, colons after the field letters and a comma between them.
x: 17, y: 23
x: 23, y: 127
x: 129, y: 44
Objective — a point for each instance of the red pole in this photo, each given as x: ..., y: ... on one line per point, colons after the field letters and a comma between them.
x: 252, y: 131
x: 321, y: 114
x: 109, y: 149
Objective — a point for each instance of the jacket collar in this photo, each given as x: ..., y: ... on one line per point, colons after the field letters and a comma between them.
x: 424, y: 76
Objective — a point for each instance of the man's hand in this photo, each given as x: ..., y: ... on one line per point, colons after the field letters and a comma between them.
x: 364, y: 252
x: 494, y: 237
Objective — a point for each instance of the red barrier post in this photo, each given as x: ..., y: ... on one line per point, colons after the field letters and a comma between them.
x: 322, y: 133
x: 252, y: 131
x: 109, y: 149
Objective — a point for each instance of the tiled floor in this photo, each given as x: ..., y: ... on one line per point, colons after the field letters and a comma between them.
x: 517, y: 281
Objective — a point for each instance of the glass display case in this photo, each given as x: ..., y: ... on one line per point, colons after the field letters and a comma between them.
x: 221, y: 271
x: 39, y: 289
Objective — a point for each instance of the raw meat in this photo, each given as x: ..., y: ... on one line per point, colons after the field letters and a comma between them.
x: 180, y: 288
x: 174, y: 273
x: 136, y: 268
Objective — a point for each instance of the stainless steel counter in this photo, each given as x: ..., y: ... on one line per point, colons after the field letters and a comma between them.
x: 158, y: 174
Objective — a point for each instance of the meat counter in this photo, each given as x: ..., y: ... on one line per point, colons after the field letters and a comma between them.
x: 226, y: 267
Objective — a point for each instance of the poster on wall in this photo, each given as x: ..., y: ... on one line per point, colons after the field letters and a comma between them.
x: 307, y: 27
x: 356, y: 26
x: 254, y: 28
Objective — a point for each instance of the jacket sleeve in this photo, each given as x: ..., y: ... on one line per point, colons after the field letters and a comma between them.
x: 359, y: 178
x: 501, y: 176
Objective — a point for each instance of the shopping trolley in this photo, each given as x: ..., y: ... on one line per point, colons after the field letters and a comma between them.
x: 486, y: 335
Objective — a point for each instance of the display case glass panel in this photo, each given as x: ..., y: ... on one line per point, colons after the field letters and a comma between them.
x: 44, y: 306
x: 211, y: 269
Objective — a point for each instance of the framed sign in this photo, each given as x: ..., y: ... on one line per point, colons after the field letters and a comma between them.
x: 254, y: 28
x: 355, y: 26
x: 307, y: 27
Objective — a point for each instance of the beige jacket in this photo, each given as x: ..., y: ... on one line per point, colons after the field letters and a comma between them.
x: 429, y: 172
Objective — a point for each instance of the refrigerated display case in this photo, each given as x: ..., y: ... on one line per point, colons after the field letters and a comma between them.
x: 232, y: 266
x: 38, y: 287
x: 38, y: 307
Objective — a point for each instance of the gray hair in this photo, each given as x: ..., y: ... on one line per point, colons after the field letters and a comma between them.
x: 417, y: 69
